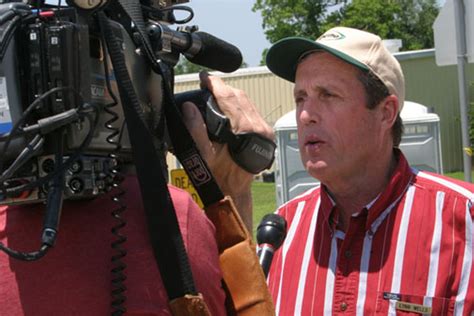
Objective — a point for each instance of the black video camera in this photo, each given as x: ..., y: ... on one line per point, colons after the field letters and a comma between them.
x: 58, y: 92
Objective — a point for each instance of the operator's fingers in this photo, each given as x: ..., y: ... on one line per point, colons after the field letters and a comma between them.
x: 236, y: 105
x: 217, y: 86
x: 249, y: 119
x: 197, y: 128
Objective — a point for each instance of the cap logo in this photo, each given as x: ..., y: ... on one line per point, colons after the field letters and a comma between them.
x: 334, y: 35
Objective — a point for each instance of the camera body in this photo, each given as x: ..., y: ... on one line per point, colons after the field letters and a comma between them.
x: 57, y: 81
x: 53, y: 48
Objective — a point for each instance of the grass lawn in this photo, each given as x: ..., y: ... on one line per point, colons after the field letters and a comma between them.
x: 264, y: 201
x: 458, y: 175
x: 264, y: 198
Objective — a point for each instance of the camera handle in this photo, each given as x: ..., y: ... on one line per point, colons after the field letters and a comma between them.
x: 251, y: 151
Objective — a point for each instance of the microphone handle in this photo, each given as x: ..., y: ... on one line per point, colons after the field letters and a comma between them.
x: 200, y: 48
x: 265, y: 257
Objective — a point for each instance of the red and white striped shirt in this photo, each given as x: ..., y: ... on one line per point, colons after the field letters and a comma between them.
x: 410, y: 250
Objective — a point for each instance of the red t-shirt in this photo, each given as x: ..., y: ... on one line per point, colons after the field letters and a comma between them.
x: 74, y: 278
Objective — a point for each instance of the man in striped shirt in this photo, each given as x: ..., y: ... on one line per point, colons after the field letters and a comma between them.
x: 376, y: 237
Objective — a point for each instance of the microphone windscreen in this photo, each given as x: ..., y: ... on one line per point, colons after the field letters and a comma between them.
x: 271, y: 230
x: 216, y: 54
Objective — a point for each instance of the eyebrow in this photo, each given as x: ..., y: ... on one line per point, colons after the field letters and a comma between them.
x: 317, y: 87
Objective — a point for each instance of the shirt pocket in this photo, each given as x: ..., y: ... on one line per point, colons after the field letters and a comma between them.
x: 406, y: 304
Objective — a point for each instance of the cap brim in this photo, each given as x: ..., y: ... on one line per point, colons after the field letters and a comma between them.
x: 284, y: 55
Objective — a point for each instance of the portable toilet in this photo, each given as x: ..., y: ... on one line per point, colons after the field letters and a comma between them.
x: 421, y: 144
x: 421, y: 140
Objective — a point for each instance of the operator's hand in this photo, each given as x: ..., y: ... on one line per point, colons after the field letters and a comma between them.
x: 244, y: 117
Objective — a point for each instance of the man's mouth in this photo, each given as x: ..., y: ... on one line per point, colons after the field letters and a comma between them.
x: 313, y: 141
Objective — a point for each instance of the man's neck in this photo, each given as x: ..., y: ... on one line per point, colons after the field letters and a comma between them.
x: 356, y: 193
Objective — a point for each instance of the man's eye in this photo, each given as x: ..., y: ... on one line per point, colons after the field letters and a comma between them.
x: 326, y: 94
x: 299, y: 101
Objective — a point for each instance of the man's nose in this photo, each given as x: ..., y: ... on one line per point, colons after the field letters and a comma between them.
x: 308, y: 112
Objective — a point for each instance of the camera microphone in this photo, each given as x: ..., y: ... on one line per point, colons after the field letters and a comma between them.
x: 198, y: 47
x: 270, y: 235
x: 215, y: 53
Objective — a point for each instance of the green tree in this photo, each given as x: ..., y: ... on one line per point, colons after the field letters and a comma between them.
x: 421, y: 27
x: 283, y: 18
x: 408, y: 20
x: 377, y: 16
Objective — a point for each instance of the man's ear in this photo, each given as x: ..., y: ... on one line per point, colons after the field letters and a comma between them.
x: 389, y: 107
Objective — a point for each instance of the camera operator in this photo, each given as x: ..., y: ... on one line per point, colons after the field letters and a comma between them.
x: 103, y: 264
x: 75, y: 278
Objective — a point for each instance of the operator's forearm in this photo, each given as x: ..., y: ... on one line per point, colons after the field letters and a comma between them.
x: 243, y: 203
x: 234, y: 182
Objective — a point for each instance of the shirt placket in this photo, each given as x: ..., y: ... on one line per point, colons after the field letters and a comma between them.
x: 348, y: 266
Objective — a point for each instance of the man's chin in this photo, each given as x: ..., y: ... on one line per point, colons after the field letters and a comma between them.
x: 316, y: 169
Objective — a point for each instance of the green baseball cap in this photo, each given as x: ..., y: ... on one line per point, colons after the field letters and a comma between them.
x: 364, y: 50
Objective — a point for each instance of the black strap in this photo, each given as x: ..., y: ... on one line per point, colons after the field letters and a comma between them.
x: 165, y: 236
x: 184, y: 146
x: 189, y: 156
x: 166, y: 239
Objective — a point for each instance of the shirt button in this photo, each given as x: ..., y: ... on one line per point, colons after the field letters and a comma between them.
x: 348, y: 254
x: 343, y: 306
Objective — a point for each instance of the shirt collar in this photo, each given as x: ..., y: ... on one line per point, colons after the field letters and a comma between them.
x: 397, y: 185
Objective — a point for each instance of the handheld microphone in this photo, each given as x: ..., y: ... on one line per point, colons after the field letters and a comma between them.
x: 270, y: 235
x: 198, y: 47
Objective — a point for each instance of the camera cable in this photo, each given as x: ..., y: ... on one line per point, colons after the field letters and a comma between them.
x: 53, y: 208
x: 12, y: 191
x: 118, y: 268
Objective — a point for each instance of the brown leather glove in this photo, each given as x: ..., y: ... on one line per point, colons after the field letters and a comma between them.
x: 241, y: 270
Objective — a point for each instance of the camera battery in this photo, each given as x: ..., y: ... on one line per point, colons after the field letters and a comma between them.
x: 38, y: 83
x: 63, y: 65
